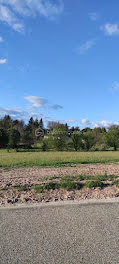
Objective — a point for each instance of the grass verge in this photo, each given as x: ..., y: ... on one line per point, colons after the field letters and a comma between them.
x: 55, y: 159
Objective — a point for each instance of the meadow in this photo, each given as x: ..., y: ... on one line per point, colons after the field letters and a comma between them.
x: 53, y: 159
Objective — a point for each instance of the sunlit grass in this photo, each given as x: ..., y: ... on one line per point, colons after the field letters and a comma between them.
x: 47, y: 159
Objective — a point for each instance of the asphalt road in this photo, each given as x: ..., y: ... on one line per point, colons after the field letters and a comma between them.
x: 70, y: 233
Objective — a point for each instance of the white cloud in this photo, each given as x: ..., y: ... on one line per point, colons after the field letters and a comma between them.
x: 85, y: 47
x: 3, y: 61
x: 14, y: 113
x: 85, y: 121
x: 104, y: 123
x: 40, y: 102
x: 66, y: 120
x: 1, y: 39
x: 7, y: 16
x: 115, y: 87
x: 110, y: 29
x: 18, y: 113
x: 11, y: 10
x: 36, y: 101
x: 93, y: 16
x: 18, y: 27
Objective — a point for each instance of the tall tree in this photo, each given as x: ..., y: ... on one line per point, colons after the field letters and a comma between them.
x: 112, y: 137
x: 14, y: 137
x: 77, y: 140
x: 3, y: 138
x: 59, y: 139
x: 41, y: 125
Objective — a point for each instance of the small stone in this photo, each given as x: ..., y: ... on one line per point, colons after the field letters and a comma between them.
x: 9, y: 201
x: 15, y: 200
x: 117, y: 195
x: 56, y: 199
x: 27, y: 199
x: 47, y: 201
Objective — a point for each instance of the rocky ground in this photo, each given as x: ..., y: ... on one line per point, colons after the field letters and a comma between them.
x: 9, y: 178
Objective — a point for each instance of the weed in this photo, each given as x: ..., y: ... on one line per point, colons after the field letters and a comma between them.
x: 21, y: 188
x: 116, y: 183
x: 94, y: 184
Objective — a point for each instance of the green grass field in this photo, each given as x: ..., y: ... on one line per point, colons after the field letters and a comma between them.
x: 49, y: 159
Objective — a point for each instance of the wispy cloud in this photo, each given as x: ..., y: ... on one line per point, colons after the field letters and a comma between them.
x: 1, y: 39
x: 85, y: 121
x: 3, y: 61
x: 14, y: 113
x: 110, y: 29
x: 56, y: 106
x: 37, y: 102
x: 66, y: 120
x: 115, y: 87
x: 85, y: 47
x: 103, y: 123
x: 18, y: 113
x: 93, y: 16
x: 7, y: 16
x: 12, y: 10
x: 40, y: 102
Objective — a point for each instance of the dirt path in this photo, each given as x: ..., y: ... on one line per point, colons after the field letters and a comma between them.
x: 36, y: 175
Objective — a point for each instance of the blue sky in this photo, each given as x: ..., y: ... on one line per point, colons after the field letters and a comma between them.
x: 59, y: 59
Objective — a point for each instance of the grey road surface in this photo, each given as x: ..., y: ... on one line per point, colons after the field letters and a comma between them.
x: 67, y: 233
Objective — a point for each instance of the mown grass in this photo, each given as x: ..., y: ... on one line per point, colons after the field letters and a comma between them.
x: 48, y: 159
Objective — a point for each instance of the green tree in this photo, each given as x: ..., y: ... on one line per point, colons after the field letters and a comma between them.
x: 112, y: 137
x: 27, y: 138
x: 14, y: 138
x: 44, y: 145
x: 59, y: 138
x: 3, y: 138
x: 7, y: 122
x: 76, y: 139
x: 89, y: 139
x: 41, y: 125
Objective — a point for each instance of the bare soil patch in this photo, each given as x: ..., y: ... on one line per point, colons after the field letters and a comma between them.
x: 9, y: 178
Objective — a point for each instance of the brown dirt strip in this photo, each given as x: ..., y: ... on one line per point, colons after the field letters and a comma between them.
x: 37, y: 175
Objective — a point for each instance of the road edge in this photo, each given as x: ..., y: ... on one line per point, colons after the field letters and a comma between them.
x: 62, y: 203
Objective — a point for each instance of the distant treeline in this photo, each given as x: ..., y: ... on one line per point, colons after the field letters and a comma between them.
x: 16, y: 134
